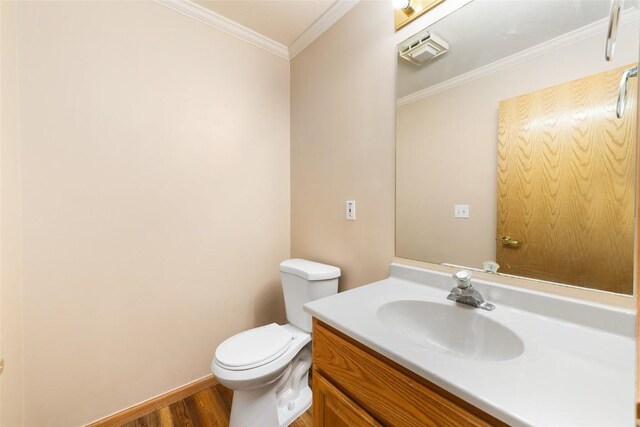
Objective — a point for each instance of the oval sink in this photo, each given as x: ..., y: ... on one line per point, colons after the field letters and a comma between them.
x: 454, y: 329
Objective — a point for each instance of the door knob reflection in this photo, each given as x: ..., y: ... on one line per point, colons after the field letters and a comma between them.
x: 510, y: 243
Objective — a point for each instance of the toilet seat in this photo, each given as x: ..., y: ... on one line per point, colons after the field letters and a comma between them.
x: 253, y: 348
x: 248, y: 378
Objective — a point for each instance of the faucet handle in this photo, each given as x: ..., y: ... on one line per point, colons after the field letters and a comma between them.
x: 463, y: 279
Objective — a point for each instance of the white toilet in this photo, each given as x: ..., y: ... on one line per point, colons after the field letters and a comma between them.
x: 268, y: 367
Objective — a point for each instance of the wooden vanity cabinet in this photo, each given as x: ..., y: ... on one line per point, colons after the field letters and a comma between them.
x: 355, y: 386
x: 332, y: 408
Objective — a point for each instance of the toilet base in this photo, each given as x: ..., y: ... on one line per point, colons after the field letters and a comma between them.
x: 286, y: 416
x: 255, y: 408
x: 276, y: 404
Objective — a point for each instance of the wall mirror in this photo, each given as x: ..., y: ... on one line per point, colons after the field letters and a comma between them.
x: 509, y: 152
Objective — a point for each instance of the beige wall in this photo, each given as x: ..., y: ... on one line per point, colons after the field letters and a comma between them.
x: 447, y: 151
x: 342, y: 145
x: 155, y: 167
x: 155, y: 200
x: 11, y: 391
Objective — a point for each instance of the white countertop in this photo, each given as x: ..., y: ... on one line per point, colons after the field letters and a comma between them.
x: 577, y: 368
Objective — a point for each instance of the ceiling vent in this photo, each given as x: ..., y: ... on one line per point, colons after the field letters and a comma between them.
x: 422, y: 47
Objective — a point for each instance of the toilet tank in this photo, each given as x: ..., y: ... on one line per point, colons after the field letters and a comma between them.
x: 304, y: 281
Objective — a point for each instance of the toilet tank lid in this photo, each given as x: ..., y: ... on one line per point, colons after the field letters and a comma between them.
x: 309, y: 270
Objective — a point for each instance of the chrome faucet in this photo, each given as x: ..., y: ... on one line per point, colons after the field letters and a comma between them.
x: 464, y: 293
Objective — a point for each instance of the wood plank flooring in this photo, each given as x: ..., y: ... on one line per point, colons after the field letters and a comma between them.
x: 207, y: 408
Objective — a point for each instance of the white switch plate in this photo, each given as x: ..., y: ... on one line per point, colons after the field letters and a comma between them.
x: 351, y: 210
x: 461, y: 211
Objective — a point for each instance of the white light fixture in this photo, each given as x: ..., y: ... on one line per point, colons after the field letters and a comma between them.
x: 403, y: 5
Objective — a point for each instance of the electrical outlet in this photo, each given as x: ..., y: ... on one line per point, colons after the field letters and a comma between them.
x: 351, y: 210
x: 461, y: 211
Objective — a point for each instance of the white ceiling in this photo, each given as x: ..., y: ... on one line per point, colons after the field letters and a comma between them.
x: 282, y: 21
x: 485, y: 31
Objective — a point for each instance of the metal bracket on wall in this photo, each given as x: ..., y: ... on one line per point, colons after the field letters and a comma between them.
x: 621, y: 105
x: 612, y: 30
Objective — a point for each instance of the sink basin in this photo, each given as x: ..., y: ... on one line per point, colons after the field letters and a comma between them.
x: 454, y: 329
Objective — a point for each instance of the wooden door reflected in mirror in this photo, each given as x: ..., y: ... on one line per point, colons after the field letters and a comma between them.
x: 566, y: 176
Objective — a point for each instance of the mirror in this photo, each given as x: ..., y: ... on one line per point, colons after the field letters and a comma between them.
x: 509, y: 153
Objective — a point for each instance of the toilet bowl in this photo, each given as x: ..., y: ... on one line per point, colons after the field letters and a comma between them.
x: 267, y: 367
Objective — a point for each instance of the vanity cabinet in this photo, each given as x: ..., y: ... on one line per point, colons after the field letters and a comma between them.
x: 333, y: 408
x: 355, y: 386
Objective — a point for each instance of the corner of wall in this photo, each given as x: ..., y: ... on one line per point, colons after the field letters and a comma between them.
x: 343, y: 145
x: 11, y: 345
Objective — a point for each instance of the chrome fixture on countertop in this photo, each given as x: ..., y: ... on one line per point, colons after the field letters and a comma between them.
x: 464, y: 292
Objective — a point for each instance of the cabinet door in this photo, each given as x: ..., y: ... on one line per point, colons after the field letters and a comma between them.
x: 331, y: 408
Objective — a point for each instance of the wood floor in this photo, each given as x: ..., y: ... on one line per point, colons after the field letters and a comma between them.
x: 207, y: 408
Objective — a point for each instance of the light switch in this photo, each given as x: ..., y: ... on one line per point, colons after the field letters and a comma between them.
x: 351, y: 210
x: 461, y: 211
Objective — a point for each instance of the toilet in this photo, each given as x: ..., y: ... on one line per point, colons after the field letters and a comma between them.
x: 268, y: 367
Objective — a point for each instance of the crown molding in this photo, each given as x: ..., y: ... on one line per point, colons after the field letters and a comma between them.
x: 322, y: 24
x: 598, y: 27
x: 206, y: 16
x: 221, y: 23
